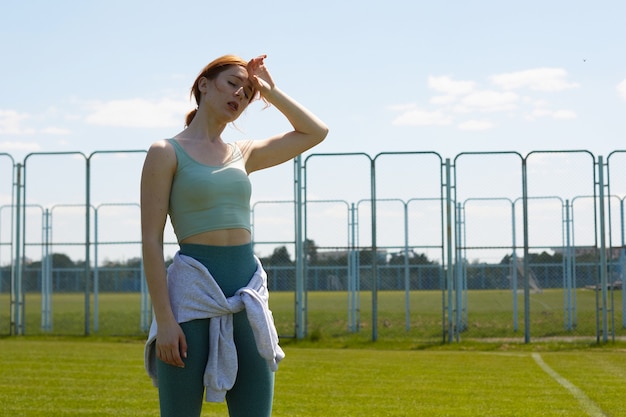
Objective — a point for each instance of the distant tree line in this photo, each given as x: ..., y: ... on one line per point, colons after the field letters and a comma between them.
x: 69, y: 276
x: 282, y: 257
x: 326, y: 269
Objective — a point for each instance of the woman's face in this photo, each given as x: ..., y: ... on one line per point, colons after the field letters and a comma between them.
x: 229, y: 93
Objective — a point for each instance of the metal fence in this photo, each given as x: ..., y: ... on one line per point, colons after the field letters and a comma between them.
x: 405, y: 245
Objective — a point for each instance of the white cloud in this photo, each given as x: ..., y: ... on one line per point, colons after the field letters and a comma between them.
x: 621, y: 89
x: 476, y: 125
x: 402, y: 107
x: 554, y: 114
x: 536, y: 103
x: 443, y: 100
x: 540, y: 113
x: 11, y: 123
x: 419, y: 117
x: 539, y: 79
x: 564, y: 114
x: 19, y: 146
x: 449, y: 86
x: 55, y: 131
x: 489, y: 101
x: 139, y: 113
x: 454, y: 98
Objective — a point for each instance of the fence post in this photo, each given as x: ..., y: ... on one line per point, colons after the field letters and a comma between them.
x: 46, y: 274
x: 299, y: 236
x: 514, y: 269
x: 17, y: 294
x: 87, y: 270
x: 568, y: 286
x: 622, y: 262
x: 96, y: 273
x: 374, y: 254
x: 354, y: 319
x: 603, y: 264
x: 461, y: 278
x: 526, y: 265
x: 452, y: 329
x: 407, y: 275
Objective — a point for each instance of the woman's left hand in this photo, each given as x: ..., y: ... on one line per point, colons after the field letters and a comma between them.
x: 259, y: 75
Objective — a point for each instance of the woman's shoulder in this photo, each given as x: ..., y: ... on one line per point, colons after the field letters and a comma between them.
x: 162, y: 143
x: 162, y: 150
x: 162, y: 146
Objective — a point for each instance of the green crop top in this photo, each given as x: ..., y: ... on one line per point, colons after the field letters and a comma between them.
x: 205, y: 198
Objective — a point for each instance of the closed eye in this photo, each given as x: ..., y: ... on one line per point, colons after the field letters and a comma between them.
x: 238, y: 85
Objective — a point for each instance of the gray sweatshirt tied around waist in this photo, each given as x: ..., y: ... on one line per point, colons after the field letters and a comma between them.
x: 194, y: 294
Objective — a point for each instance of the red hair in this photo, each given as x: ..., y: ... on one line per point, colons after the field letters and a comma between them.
x: 210, y: 72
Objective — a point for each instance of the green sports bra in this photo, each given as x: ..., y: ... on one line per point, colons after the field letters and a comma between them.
x: 205, y: 198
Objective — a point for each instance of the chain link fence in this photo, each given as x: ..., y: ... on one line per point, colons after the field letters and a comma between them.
x: 398, y: 246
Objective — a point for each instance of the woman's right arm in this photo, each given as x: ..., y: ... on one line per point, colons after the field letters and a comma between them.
x: 156, y: 182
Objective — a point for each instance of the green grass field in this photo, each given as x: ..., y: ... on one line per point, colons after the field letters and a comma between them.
x: 490, y: 315
x: 333, y: 372
x: 48, y: 376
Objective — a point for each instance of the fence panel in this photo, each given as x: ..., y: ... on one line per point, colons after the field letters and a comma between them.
x: 409, y: 231
x: 487, y: 187
x: 118, y: 283
x: 561, y: 186
x: 54, y: 223
x: 339, y: 273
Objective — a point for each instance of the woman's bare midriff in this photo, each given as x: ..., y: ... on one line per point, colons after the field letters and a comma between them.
x: 224, y: 237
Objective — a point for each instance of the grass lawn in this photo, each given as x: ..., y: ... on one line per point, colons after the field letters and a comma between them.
x: 47, y: 376
x: 489, y: 314
x: 334, y: 372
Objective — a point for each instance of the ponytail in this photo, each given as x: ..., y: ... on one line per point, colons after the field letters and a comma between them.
x: 190, y: 117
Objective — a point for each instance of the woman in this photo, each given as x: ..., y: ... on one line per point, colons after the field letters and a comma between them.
x: 202, y: 183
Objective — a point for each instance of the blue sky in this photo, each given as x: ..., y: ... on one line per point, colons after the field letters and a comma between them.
x: 446, y: 76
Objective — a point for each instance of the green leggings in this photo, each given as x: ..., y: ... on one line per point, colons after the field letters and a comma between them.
x: 181, y: 390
